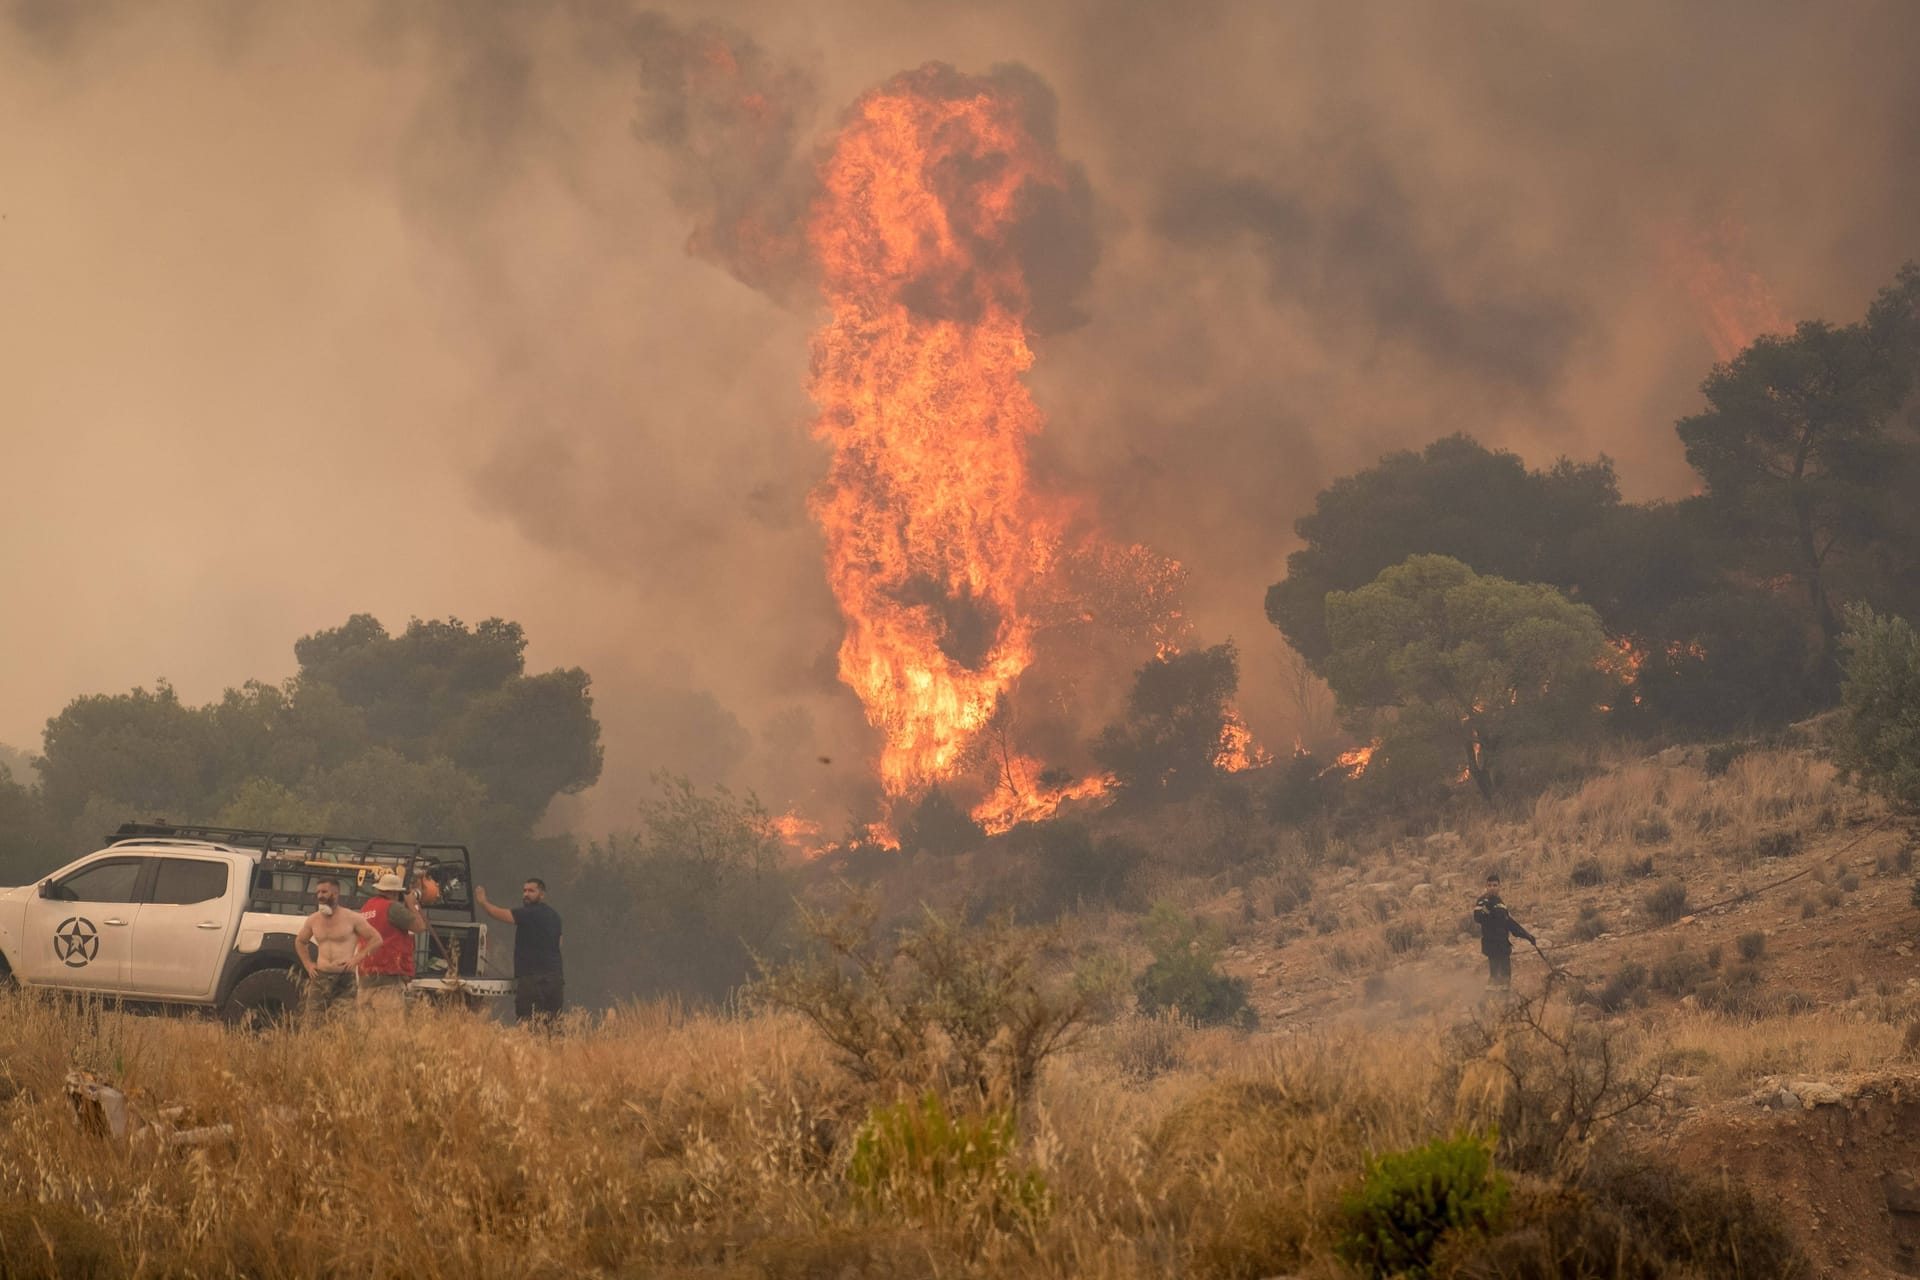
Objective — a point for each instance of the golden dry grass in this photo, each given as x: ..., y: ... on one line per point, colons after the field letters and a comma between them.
x: 654, y: 1143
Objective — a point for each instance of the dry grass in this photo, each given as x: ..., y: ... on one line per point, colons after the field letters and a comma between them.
x: 653, y: 1143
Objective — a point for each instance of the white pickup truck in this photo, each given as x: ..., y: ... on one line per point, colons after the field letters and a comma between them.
x: 206, y: 916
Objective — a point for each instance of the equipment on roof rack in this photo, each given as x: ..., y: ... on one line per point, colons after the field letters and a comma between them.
x: 290, y: 861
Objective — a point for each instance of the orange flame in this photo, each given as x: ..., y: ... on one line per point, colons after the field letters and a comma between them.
x: 1024, y: 795
x: 1355, y: 762
x: 802, y: 835
x: 1238, y: 751
x: 934, y: 536
x: 1714, y: 266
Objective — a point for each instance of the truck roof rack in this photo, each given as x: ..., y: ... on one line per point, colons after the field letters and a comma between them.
x: 294, y: 845
x: 290, y: 860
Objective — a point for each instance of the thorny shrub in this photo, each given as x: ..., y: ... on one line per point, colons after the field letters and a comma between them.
x: 1545, y: 1078
x: 941, y: 1005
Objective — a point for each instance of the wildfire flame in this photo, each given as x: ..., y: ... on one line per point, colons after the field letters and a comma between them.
x: 935, y: 535
x: 1714, y: 266
x: 1238, y: 751
x: 802, y: 835
x: 1355, y: 762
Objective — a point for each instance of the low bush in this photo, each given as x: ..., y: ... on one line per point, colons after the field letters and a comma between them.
x: 1403, y: 938
x: 1590, y: 925
x: 1624, y: 987
x: 919, y: 1159
x: 1778, y: 844
x: 1677, y: 972
x: 1410, y: 1201
x: 1185, y: 975
x: 1751, y: 945
x: 1586, y: 873
x: 942, y: 1004
x: 1668, y: 902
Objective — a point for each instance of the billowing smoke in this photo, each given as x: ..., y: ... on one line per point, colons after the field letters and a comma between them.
x: 408, y: 288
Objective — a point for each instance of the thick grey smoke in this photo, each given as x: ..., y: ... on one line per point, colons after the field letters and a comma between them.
x: 390, y: 307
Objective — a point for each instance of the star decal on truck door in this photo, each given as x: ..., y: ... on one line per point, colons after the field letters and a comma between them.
x: 76, y: 942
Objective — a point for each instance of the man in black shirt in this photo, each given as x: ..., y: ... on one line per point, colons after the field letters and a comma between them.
x: 539, y: 987
x: 1498, y: 929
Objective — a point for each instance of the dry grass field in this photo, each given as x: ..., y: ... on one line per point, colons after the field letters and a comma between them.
x: 655, y: 1142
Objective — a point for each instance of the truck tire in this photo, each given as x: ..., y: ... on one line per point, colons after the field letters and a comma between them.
x: 6, y: 976
x: 262, y: 999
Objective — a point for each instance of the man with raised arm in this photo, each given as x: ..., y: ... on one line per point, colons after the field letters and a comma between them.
x: 539, y: 987
x: 1498, y: 929
x: 340, y: 940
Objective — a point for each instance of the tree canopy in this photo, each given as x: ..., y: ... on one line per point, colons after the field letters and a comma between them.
x: 1171, y: 735
x: 435, y: 733
x: 1565, y: 526
x: 1431, y: 654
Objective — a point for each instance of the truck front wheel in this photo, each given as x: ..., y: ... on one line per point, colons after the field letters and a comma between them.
x: 264, y: 999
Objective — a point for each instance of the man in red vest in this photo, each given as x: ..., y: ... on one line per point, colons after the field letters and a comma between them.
x: 395, y: 915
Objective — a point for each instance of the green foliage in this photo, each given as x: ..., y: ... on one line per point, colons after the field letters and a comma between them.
x: 1170, y: 737
x: 1565, y: 526
x: 1452, y: 667
x: 1879, y: 737
x: 1410, y: 1200
x: 681, y: 903
x: 938, y: 826
x: 435, y: 733
x: 1184, y: 976
x: 1801, y: 466
x: 1072, y: 869
x: 941, y: 1005
x: 25, y: 841
x: 1729, y: 661
x: 920, y: 1159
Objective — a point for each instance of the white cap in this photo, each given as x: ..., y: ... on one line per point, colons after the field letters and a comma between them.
x: 388, y: 883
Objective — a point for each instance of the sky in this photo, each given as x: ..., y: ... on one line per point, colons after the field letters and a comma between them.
x: 311, y: 309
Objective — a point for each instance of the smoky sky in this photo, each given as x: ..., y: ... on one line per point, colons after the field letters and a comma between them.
x: 430, y: 310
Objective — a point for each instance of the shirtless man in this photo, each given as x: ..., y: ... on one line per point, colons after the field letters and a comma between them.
x: 342, y: 938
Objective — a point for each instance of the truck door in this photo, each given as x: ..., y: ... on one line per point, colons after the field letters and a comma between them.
x: 80, y: 935
x: 185, y: 927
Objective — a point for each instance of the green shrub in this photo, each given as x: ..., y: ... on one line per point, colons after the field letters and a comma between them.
x: 1751, y: 945
x: 1586, y: 873
x: 925, y: 1161
x: 1185, y: 974
x: 1879, y: 737
x: 1410, y: 1200
x: 1668, y: 902
x: 1778, y: 844
x: 1069, y: 869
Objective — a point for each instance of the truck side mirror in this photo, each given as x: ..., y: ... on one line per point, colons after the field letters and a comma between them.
x: 46, y: 888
